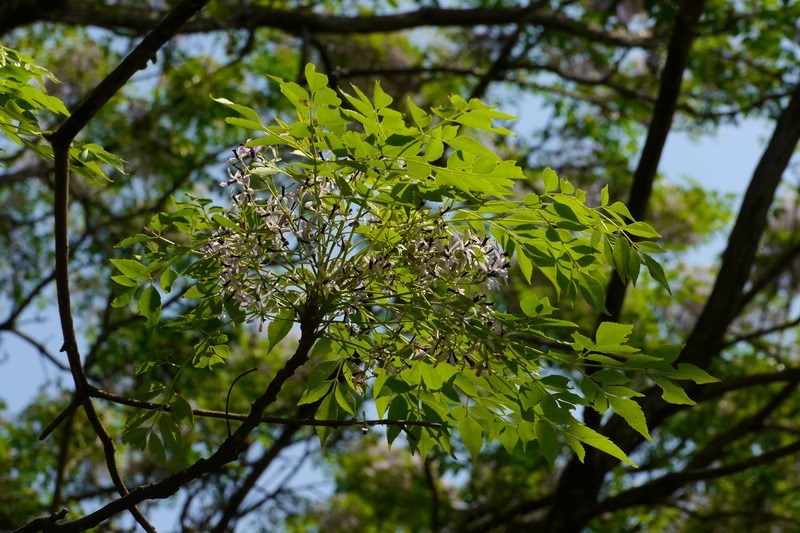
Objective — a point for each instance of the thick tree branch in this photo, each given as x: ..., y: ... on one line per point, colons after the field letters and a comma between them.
x: 680, y: 44
x: 723, y: 304
x: 581, y: 481
x: 783, y: 326
x: 647, y: 493
x: 707, y: 338
x: 714, y: 449
x: 769, y: 275
x: 138, y: 21
x: 61, y: 141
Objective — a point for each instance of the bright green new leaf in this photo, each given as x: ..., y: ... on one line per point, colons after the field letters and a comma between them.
x: 132, y: 269
x: 344, y: 398
x: 550, y: 180
x: 245, y: 111
x: 471, y: 146
x: 642, y: 229
x: 430, y: 375
x: 611, y: 336
x: 316, y: 80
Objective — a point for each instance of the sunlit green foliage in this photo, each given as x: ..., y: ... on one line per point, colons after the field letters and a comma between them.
x: 352, y: 210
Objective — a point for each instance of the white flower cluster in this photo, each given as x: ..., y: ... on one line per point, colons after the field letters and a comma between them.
x: 304, y: 231
x: 249, y: 253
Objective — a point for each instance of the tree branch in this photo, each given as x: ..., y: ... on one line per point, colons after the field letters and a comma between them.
x: 234, y: 501
x: 707, y: 337
x: 227, y: 452
x: 644, y: 494
x: 278, y: 420
x: 680, y: 45
x: 61, y: 141
x: 137, y: 21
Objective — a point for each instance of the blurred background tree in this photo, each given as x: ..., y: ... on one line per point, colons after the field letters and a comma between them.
x: 612, y: 80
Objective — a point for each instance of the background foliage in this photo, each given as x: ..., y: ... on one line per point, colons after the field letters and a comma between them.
x: 615, y: 77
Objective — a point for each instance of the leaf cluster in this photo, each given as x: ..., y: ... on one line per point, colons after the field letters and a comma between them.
x: 447, y: 357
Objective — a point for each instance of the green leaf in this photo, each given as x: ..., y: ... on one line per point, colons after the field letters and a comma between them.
x: 168, y: 277
x: 656, y: 271
x: 691, y: 372
x: 534, y: 306
x: 156, y: 447
x: 136, y: 437
x: 139, y: 237
x: 296, y: 95
x: 668, y: 353
x: 344, y: 398
x: 593, y: 291
x: 420, y: 117
x: 150, y: 306
x: 398, y: 410
x: 472, y: 436
x: 471, y: 146
x: 589, y: 389
x: 620, y: 209
x: 548, y: 444
x: 622, y: 254
x: 611, y: 335
x: 319, y: 381
x: 641, y: 229
x: 246, y: 112
x: 125, y: 281
x: 430, y: 375
x: 279, y: 327
x: 149, y: 390
x: 380, y: 98
x: 315, y: 393
x: 601, y: 442
x: 227, y: 223
x: 132, y: 269
x: 316, y: 81
x: 182, y: 409
x: 634, y: 266
x: 550, y: 180
x: 328, y: 410
x: 509, y: 438
x: 673, y: 393
x: 576, y: 446
x: 632, y: 413
x: 244, y: 123
x: 170, y: 433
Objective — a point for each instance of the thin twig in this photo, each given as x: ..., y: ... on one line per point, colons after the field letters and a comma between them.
x: 284, y: 421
